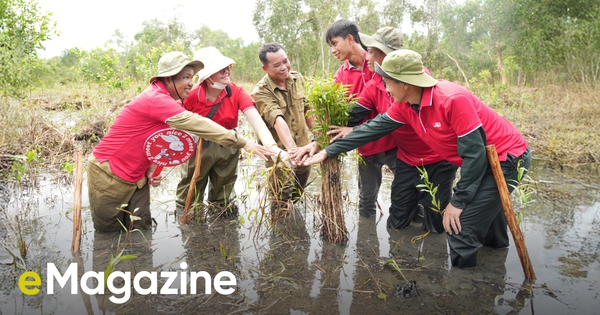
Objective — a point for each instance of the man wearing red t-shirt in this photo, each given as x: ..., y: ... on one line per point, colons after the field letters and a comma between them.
x: 118, y: 170
x: 219, y: 99
x: 342, y: 36
x: 458, y: 126
x: 412, y: 151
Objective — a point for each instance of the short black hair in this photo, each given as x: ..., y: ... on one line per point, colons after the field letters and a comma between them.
x: 342, y: 28
x: 268, y: 48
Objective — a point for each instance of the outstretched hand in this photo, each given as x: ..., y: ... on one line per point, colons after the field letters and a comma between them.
x: 257, y: 149
x: 299, y: 155
x: 339, y: 132
x: 316, y: 158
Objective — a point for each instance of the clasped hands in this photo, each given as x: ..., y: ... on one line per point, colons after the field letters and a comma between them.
x: 313, y: 158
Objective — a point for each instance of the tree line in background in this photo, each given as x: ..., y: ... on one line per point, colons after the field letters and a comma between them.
x: 497, y: 42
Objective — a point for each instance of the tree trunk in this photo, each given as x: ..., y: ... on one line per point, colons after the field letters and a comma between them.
x: 500, y: 65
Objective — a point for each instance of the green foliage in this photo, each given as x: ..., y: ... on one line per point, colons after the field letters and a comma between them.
x: 524, y: 189
x: 428, y: 187
x: 103, y: 66
x: 112, y: 263
x: 300, y: 27
x: 23, y: 28
x: 329, y: 102
x: 26, y: 164
x: 394, y: 265
x: 247, y: 65
x: 518, y: 42
x: 67, y: 166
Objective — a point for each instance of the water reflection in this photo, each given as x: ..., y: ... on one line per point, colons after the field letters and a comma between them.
x: 108, y: 248
x: 295, y: 271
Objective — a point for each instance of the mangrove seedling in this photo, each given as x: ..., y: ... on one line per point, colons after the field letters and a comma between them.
x: 329, y: 104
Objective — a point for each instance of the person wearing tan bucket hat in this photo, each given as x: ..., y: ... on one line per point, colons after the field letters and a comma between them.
x: 456, y: 125
x: 411, y: 153
x: 218, y: 98
x: 345, y: 40
x: 118, y: 170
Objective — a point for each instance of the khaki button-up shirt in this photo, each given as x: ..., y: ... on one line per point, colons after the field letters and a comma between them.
x: 272, y: 101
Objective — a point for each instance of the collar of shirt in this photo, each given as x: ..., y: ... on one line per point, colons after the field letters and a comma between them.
x: 427, y: 96
x: 201, y: 94
x: 288, y: 82
x: 378, y: 80
x: 160, y: 86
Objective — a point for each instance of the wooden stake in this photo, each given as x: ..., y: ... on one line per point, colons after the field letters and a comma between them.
x: 76, y: 242
x: 192, y: 187
x: 509, y: 212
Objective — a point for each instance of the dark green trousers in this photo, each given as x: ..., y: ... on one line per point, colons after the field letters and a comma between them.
x: 218, y: 171
x: 406, y: 195
x: 482, y: 220
x: 107, y: 193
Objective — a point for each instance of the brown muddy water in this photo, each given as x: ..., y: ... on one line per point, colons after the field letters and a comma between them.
x: 295, y: 270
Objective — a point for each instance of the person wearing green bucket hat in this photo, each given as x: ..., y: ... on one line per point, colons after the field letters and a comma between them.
x: 119, y: 172
x: 411, y: 153
x: 218, y: 98
x: 456, y: 125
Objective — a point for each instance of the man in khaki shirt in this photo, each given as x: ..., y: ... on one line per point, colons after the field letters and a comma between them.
x: 279, y: 98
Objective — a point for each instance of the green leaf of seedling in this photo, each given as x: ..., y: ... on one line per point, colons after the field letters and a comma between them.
x: 127, y: 257
x: 382, y: 296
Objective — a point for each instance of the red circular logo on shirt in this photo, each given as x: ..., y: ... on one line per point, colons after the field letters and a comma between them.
x: 169, y: 147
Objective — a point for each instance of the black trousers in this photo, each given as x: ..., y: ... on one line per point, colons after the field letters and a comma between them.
x: 482, y: 220
x: 406, y: 195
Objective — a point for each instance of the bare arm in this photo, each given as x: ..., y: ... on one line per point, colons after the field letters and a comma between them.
x: 284, y: 133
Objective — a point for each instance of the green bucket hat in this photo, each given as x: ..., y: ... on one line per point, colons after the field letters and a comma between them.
x: 173, y: 62
x: 405, y: 65
x: 386, y: 39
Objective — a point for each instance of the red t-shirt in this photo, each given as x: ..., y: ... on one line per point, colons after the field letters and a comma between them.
x: 123, y: 145
x: 411, y: 149
x: 227, y: 114
x: 447, y: 112
x: 357, y: 80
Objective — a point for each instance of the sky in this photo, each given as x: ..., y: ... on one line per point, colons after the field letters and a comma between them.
x: 88, y: 24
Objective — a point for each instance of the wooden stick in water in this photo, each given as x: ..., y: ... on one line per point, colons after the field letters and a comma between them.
x: 510, y: 213
x: 76, y: 242
x: 192, y: 187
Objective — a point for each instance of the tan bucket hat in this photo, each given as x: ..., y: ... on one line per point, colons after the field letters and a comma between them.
x: 406, y: 66
x: 386, y: 39
x: 213, y: 61
x: 173, y: 62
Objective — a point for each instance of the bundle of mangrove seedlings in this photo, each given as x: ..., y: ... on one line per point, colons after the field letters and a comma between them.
x: 329, y: 103
x: 271, y: 207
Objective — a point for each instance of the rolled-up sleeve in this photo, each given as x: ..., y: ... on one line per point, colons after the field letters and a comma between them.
x: 267, y: 105
x: 207, y: 129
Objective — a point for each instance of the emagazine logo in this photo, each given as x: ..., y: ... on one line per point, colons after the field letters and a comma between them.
x: 224, y: 282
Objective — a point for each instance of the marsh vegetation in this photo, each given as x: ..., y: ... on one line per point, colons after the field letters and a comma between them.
x: 535, y: 62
